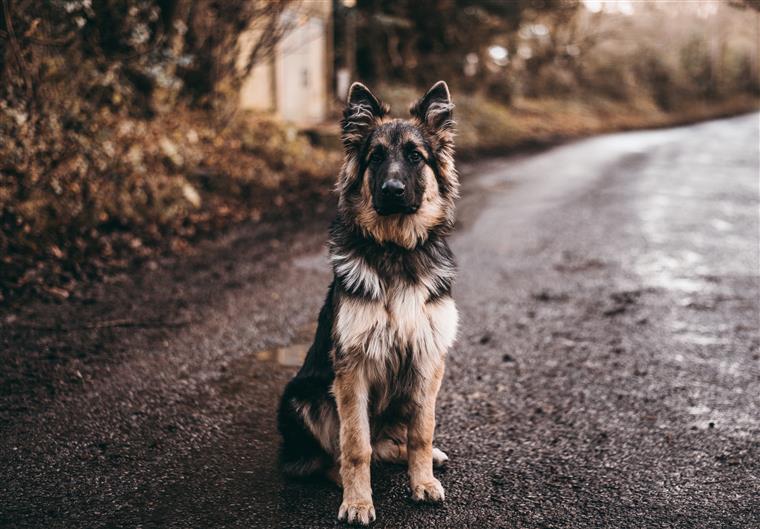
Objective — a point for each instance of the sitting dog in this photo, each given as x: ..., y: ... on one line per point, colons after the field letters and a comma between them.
x: 368, y: 386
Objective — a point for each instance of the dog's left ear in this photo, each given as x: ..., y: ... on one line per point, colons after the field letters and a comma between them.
x: 435, y: 109
x: 435, y: 112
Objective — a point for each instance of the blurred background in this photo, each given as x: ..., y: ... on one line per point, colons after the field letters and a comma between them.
x: 166, y: 183
x: 132, y: 129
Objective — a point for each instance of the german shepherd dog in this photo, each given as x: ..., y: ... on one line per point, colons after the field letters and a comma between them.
x: 368, y: 385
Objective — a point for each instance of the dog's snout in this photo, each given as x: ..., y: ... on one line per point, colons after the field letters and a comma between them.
x: 393, y: 187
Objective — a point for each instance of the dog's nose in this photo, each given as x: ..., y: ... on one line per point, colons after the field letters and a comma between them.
x: 393, y: 187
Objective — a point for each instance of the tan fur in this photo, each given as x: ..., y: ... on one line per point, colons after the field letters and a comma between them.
x: 348, y: 173
x: 389, y: 445
x: 351, y: 396
x: 392, y: 449
x: 402, y: 316
x: 425, y: 487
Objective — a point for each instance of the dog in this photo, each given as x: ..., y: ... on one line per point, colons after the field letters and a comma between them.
x: 368, y: 385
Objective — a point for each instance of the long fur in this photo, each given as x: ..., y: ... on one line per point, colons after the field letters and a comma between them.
x: 388, y: 318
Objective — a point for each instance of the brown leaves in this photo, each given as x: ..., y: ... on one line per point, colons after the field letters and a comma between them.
x: 78, y: 204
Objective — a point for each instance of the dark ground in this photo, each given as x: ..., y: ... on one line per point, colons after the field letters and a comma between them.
x: 607, y: 372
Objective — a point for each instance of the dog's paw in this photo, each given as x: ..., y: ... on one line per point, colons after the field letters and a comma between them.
x: 439, y: 458
x: 357, y: 512
x: 429, y: 491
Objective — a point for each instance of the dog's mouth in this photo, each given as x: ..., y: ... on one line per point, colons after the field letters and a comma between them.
x: 385, y: 210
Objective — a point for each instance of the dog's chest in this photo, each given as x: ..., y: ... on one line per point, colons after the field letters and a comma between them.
x: 399, y: 323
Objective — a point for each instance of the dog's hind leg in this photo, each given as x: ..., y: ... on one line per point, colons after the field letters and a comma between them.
x: 439, y: 457
x: 390, y: 447
x: 301, y: 454
x: 389, y: 442
x: 309, y: 427
x: 389, y: 450
x: 333, y: 474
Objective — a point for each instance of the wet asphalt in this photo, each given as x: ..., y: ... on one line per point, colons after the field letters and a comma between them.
x: 607, y: 372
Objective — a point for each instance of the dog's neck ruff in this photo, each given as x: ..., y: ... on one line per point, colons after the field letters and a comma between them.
x: 395, y: 303
x: 365, y: 268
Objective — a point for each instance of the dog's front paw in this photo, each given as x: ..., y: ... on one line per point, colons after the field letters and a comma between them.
x: 429, y: 491
x: 357, y: 512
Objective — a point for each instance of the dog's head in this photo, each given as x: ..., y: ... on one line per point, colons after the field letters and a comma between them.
x: 398, y: 182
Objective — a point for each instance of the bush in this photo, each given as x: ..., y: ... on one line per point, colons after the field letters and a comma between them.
x: 658, y: 78
x: 698, y: 67
x: 80, y: 196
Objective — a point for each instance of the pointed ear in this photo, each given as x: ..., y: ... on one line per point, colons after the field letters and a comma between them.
x: 435, y: 109
x: 359, y: 94
x: 362, y: 112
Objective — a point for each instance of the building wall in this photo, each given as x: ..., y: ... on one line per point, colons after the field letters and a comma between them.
x: 300, y: 74
x: 256, y: 92
x: 294, y: 84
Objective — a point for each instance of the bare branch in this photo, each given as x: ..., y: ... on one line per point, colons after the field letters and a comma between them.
x: 17, y: 53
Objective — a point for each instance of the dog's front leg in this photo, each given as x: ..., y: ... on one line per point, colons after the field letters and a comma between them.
x: 425, y: 487
x: 355, y: 449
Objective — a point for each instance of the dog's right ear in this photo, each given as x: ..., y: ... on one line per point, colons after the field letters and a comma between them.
x: 363, y: 111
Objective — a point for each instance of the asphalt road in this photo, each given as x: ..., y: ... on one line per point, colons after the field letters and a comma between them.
x: 607, y: 373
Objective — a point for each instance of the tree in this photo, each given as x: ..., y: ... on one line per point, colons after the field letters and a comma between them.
x: 127, y: 50
x: 420, y: 41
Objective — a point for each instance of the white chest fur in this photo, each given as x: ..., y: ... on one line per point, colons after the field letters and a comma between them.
x: 400, y: 319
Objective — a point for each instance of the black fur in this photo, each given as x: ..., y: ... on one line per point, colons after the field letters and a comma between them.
x: 390, y: 260
x: 301, y: 453
x: 307, y: 398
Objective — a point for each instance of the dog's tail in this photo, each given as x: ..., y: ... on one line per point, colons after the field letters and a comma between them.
x: 303, y: 467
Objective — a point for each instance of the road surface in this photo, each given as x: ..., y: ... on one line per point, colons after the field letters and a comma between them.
x: 607, y: 372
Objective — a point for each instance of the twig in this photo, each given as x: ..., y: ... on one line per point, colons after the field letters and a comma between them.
x: 53, y: 43
x: 18, y: 55
x: 106, y: 324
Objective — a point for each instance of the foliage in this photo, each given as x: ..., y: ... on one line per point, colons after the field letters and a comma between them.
x: 111, y: 114
x: 486, y: 126
x: 128, y: 53
x: 674, y: 51
x: 421, y: 41
x: 119, y: 189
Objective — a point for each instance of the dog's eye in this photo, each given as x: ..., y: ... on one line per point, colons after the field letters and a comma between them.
x: 376, y: 157
x: 415, y: 157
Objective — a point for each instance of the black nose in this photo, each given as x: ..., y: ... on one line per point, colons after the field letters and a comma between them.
x: 393, y: 187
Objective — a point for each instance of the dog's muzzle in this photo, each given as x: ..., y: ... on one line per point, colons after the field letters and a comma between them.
x: 393, y: 199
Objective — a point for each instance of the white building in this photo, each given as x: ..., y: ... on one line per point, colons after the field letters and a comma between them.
x: 295, y: 83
